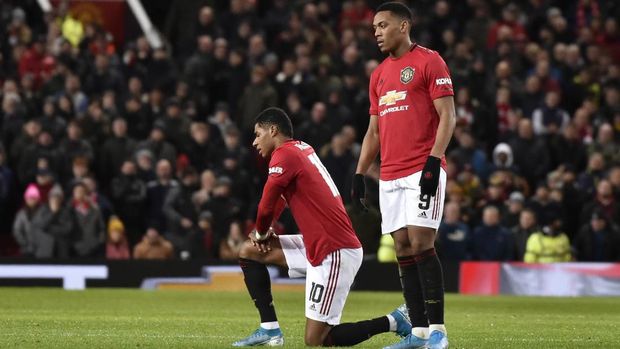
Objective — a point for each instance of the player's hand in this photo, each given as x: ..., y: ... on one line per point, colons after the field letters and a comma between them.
x: 263, y: 241
x: 358, y: 192
x: 429, y: 180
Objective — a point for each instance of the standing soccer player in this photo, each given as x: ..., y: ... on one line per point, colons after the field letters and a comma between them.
x: 412, y: 118
x: 327, y: 252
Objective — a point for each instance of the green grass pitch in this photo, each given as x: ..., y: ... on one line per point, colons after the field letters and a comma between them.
x: 123, y: 318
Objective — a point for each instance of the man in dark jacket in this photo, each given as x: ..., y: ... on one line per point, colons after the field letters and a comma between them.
x: 181, y: 213
x: 89, y: 227
x: 598, y: 240
x: 53, y: 227
x: 491, y: 241
x: 115, y: 150
x: 128, y: 196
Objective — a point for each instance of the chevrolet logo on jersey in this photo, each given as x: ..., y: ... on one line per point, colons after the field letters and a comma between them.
x: 391, y: 97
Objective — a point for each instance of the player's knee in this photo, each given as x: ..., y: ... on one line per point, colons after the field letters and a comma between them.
x: 247, y: 250
x: 420, y: 245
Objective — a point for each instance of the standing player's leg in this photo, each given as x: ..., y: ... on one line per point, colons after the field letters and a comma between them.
x: 420, y: 269
x: 393, y: 204
x: 327, y: 287
x: 254, y: 266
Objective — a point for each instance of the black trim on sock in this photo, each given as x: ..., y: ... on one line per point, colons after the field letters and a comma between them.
x: 431, y: 277
x: 346, y: 335
x: 258, y: 283
x: 412, y: 290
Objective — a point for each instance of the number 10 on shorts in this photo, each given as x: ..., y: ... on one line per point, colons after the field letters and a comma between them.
x: 316, y: 293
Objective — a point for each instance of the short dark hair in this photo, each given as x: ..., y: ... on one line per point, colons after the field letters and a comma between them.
x: 398, y: 9
x: 276, y: 116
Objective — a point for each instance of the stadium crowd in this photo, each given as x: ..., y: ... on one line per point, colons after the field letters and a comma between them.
x: 135, y: 152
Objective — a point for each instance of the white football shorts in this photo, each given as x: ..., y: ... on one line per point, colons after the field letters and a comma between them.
x: 328, y: 284
x: 402, y: 205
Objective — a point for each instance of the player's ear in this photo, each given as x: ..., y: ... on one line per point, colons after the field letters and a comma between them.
x: 403, y: 26
x: 273, y: 130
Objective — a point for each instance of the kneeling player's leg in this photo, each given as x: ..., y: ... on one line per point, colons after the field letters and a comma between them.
x: 257, y: 280
x: 327, y: 287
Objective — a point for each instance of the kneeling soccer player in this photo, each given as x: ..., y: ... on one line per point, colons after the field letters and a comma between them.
x: 327, y: 252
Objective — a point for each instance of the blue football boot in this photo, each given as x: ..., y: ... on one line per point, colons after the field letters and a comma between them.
x: 270, y: 338
x: 403, y: 324
x: 409, y: 342
x: 438, y: 340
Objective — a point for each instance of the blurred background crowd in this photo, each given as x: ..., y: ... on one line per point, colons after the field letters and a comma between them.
x: 129, y: 151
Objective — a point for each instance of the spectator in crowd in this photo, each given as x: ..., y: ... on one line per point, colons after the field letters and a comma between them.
x: 202, y: 150
x: 315, y: 131
x: 157, y: 192
x: 128, y: 196
x: 52, y: 227
x: 209, y: 249
x: 530, y: 153
x: 606, y: 144
x: 598, y: 240
x: 338, y: 161
x: 22, y: 227
x: 543, y: 204
x: 453, y: 235
x: 491, y: 241
x: 588, y: 179
x: 550, y: 118
x: 153, y: 246
x: 45, y: 149
x: 513, y: 208
x: 115, y: 150
x: 522, y: 232
x: 116, y: 246
x: 157, y: 144
x: 231, y: 245
x: 257, y: 96
x: 144, y: 165
x: 175, y: 124
x: 549, y: 245
x: 72, y: 147
x: 89, y: 229
x: 604, y: 201
x: 181, y: 213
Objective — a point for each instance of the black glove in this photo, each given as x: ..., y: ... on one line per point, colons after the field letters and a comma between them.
x: 358, y: 192
x: 429, y: 180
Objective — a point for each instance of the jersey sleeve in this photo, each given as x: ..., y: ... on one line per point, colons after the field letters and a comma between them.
x: 372, y: 94
x: 438, y: 79
x: 283, y: 168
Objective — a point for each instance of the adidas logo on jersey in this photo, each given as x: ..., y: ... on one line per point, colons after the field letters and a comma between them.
x: 312, y: 307
x: 422, y: 215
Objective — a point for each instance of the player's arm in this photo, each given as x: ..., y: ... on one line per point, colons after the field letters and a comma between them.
x: 370, y: 149
x: 429, y: 180
x: 370, y: 146
x: 447, y: 122
x: 269, y: 208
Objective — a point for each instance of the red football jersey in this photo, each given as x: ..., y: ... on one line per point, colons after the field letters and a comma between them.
x: 401, y: 94
x: 313, y: 200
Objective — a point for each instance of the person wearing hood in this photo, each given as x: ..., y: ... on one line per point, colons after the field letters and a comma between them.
x: 22, y: 226
x: 503, y: 158
x: 549, y: 245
